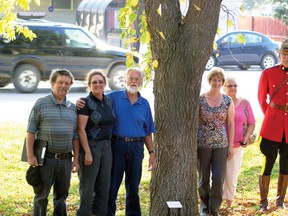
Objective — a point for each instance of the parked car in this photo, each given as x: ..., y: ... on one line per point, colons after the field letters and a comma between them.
x: 58, y: 45
x: 255, y: 49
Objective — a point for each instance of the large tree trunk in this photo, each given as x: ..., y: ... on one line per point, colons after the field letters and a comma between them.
x: 182, y: 57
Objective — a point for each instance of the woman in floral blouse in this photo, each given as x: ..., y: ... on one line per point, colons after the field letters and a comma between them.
x: 216, y: 110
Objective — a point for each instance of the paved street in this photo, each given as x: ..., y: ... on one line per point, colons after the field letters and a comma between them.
x: 16, y: 106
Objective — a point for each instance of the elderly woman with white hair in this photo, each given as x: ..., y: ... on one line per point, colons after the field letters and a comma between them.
x: 243, y: 116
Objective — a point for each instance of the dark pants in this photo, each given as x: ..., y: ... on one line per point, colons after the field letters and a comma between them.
x: 127, y: 157
x: 56, y: 172
x: 270, y: 150
x: 211, y: 162
x: 95, y: 179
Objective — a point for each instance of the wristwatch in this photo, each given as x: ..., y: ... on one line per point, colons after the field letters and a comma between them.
x: 151, y: 152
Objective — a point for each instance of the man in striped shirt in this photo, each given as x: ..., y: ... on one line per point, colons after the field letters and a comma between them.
x: 53, y: 119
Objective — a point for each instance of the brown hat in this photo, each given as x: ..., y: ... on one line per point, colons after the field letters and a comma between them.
x: 284, y: 46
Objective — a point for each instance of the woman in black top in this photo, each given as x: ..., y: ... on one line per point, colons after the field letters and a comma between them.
x: 95, y: 122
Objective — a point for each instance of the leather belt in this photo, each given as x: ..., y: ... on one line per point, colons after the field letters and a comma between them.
x: 279, y: 107
x: 130, y: 139
x: 59, y: 155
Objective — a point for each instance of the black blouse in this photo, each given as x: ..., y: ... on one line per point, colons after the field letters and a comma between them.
x: 101, y: 118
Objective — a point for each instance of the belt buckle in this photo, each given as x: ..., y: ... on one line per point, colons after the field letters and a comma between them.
x: 56, y: 156
x: 286, y: 108
x: 127, y: 139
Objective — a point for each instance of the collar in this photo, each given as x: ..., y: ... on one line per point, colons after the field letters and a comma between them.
x: 95, y: 98
x: 283, y: 68
x: 65, y: 102
x: 124, y: 95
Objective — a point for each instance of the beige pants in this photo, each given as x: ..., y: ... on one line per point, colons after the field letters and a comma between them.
x: 232, y: 173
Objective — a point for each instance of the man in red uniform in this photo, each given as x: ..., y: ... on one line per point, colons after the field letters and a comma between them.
x: 273, y: 99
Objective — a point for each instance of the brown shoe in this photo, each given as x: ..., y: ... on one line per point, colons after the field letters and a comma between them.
x: 264, y: 182
x: 281, y: 191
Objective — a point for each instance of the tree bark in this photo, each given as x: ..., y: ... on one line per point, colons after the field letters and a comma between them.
x: 182, y: 57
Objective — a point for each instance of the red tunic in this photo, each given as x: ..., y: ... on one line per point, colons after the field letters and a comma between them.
x: 275, y: 123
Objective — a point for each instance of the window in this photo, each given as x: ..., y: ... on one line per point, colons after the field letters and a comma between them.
x: 62, y: 4
x: 252, y: 38
x: 20, y: 41
x: 47, y: 38
x: 76, y: 38
x: 231, y: 39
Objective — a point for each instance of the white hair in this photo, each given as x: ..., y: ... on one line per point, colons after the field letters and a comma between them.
x: 135, y: 69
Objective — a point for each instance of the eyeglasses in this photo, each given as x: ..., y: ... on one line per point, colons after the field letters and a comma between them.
x: 95, y: 82
x: 231, y: 86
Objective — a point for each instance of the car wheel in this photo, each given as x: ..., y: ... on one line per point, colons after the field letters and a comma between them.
x: 117, y: 77
x: 4, y: 82
x: 267, y: 61
x: 26, y: 78
x: 211, y: 63
x: 244, y: 67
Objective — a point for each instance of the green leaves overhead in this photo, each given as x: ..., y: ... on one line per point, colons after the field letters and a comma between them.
x: 131, y: 17
x: 8, y: 25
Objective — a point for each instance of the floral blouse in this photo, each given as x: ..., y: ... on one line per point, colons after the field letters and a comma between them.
x: 212, y: 121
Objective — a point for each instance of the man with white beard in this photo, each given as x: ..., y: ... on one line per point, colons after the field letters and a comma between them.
x: 134, y: 127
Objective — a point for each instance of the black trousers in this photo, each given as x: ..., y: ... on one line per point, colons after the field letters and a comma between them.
x: 270, y: 150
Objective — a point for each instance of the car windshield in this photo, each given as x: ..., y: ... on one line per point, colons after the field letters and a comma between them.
x: 77, y: 38
x: 100, y: 43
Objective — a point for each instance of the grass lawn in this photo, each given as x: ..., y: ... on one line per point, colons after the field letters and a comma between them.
x: 16, y: 196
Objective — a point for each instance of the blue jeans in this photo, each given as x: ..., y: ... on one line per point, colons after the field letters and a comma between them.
x: 127, y: 158
x: 56, y: 173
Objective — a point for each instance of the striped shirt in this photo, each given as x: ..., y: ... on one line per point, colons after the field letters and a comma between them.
x: 55, y: 123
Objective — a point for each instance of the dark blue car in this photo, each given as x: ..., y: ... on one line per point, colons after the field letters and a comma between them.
x: 243, y: 49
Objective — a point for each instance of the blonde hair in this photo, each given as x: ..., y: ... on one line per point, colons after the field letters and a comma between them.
x: 93, y: 73
x: 89, y: 78
x: 216, y: 72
